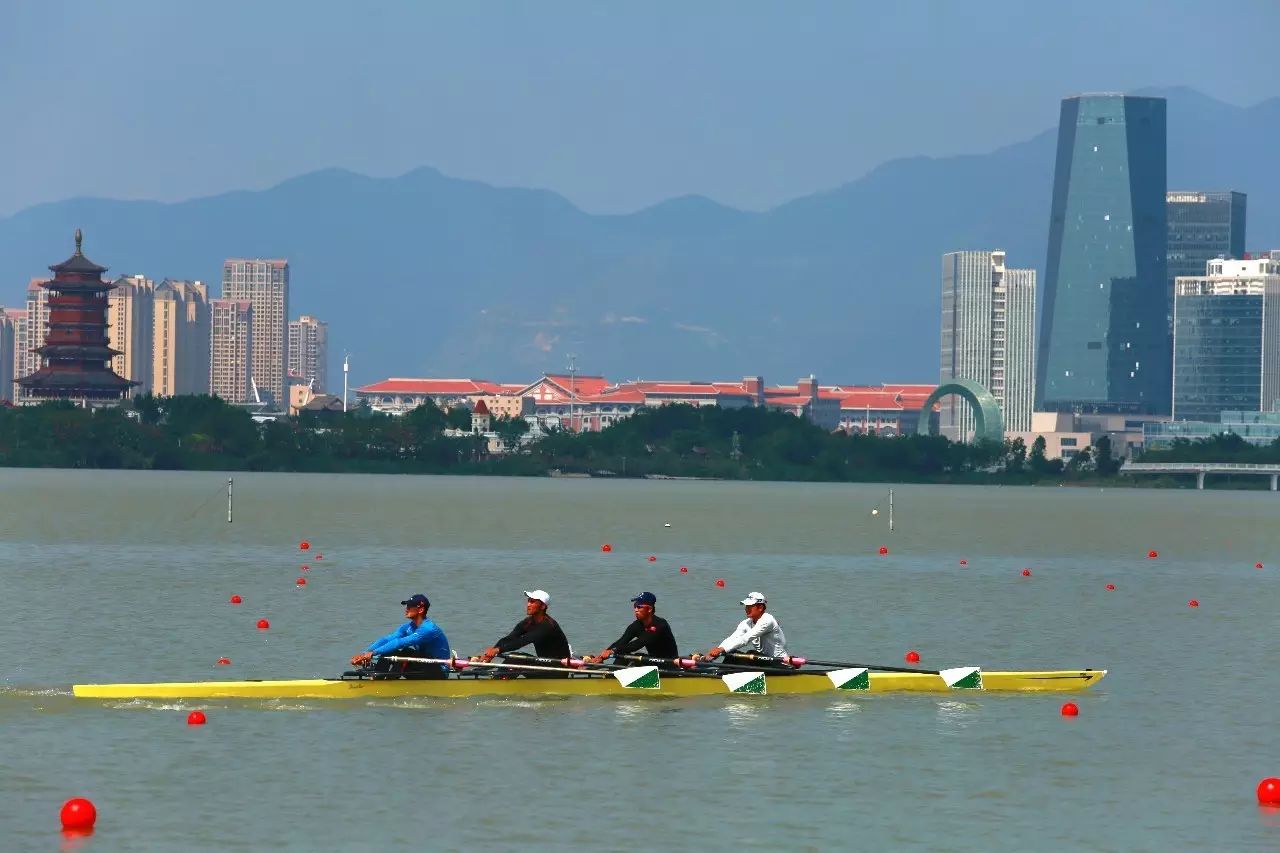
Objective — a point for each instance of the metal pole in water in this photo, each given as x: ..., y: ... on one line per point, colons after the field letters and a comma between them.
x: 891, y: 510
x: 229, y: 500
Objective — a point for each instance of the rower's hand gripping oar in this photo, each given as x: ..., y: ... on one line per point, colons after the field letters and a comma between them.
x: 960, y: 677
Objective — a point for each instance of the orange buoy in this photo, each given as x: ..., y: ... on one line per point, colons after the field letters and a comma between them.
x: 196, y: 718
x: 1111, y: 587
x: 720, y: 582
x: 302, y: 581
x: 1026, y: 573
x: 652, y: 559
x: 606, y: 547
x: 1070, y: 710
x: 684, y: 570
x: 1193, y: 603
x: 224, y: 662
x: 235, y: 599
x: 263, y: 624
x: 1151, y: 555
x: 78, y: 815
x: 304, y: 545
x: 883, y: 550
x: 1269, y: 791
x: 912, y: 656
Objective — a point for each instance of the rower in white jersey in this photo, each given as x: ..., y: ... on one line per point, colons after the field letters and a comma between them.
x: 758, y: 634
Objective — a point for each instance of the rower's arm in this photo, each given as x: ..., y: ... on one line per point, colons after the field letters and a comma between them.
x: 426, y: 631
x: 740, y: 638
x: 630, y: 641
x: 398, y: 632
x: 518, y: 638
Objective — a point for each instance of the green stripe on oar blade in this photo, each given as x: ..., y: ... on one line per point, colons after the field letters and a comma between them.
x: 745, y: 682
x: 851, y: 679
x: 963, y: 677
x: 639, y: 677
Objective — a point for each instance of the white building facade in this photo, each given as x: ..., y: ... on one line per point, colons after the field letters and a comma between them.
x: 988, y: 337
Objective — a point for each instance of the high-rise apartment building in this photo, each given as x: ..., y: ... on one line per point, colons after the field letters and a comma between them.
x: 130, y: 312
x: 29, y: 334
x: 1226, y: 340
x: 8, y: 351
x: 231, y: 350
x: 182, y: 333
x: 309, y: 352
x: 1202, y: 226
x: 988, y: 337
x: 1104, y: 343
x: 264, y: 284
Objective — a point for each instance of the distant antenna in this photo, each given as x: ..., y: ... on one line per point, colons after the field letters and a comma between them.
x: 346, y: 368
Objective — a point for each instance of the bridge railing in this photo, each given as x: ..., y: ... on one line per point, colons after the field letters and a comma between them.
x: 1197, y: 467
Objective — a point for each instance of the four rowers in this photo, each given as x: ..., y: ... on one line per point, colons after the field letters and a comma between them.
x: 759, y: 634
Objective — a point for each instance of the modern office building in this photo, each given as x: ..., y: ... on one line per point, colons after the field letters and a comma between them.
x: 1259, y: 428
x: 309, y: 353
x: 130, y: 312
x: 265, y: 284
x: 988, y: 322
x: 1104, y: 342
x: 1226, y: 340
x: 29, y: 334
x: 9, y: 319
x: 182, y: 332
x: 1202, y: 226
x: 231, y: 350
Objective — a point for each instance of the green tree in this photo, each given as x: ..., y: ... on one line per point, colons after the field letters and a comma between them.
x: 1036, y: 461
x: 459, y: 417
x: 1105, y: 463
x: 1015, y: 460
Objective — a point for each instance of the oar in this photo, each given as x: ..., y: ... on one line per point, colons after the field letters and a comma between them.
x: 959, y: 677
x: 702, y: 667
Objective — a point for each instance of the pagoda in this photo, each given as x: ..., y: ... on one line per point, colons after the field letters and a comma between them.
x: 76, y: 354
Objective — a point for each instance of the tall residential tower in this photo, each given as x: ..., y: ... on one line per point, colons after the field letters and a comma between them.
x: 988, y: 321
x: 1104, y: 343
x: 182, y: 334
x: 265, y: 285
x: 309, y: 352
x: 231, y: 350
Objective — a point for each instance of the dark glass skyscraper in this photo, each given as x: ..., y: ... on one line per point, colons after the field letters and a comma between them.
x: 1104, y: 342
x: 1203, y: 226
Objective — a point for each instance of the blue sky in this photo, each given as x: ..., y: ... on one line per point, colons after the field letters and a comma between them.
x: 616, y: 107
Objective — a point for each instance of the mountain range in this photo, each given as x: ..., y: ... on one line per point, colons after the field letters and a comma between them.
x: 427, y: 275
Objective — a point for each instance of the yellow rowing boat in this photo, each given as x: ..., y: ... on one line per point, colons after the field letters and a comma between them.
x: 649, y: 683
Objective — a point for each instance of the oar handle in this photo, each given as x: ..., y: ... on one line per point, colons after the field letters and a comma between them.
x: 799, y: 661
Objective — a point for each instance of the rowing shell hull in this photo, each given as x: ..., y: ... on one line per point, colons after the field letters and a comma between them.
x: 1063, y: 681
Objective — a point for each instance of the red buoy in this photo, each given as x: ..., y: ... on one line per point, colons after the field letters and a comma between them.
x: 306, y: 568
x: 235, y: 599
x: 606, y: 547
x: 79, y: 815
x: 652, y: 559
x: 319, y: 556
x: 964, y: 562
x: 263, y: 624
x: 1070, y: 710
x: 1269, y: 791
x: 720, y: 582
x: 224, y: 661
x: 684, y: 570
x: 912, y: 656
x: 883, y: 550
x: 1111, y: 587
x: 302, y: 581
x: 1026, y: 573
x: 304, y: 545
x: 1193, y: 603
x: 1151, y: 555
x: 196, y: 718
x: 1257, y: 565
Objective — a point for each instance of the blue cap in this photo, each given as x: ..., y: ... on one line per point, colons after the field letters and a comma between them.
x: 415, y: 600
x: 645, y: 598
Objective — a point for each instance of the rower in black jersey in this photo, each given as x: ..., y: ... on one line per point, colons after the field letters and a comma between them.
x: 649, y: 632
x: 537, y: 628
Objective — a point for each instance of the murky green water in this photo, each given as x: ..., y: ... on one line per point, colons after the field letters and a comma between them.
x: 126, y: 576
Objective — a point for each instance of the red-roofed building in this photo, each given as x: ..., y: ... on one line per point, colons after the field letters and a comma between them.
x: 804, y: 401
x: 887, y: 410
x: 397, y: 396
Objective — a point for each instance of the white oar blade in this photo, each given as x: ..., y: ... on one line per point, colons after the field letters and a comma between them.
x: 851, y: 679
x: 745, y: 682
x: 963, y: 677
x: 639, y: 677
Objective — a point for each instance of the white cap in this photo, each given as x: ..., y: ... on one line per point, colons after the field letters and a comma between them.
x: 754, y: 598
x: 540, y: 594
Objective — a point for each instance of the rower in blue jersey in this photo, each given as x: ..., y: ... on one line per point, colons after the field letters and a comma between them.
x: 419, y: 637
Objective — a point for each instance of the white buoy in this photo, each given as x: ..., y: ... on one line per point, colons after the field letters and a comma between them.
x: 668, y: 524
x: 875, y: 512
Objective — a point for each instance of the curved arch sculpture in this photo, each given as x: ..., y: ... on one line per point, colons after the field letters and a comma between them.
x: 987, y: 417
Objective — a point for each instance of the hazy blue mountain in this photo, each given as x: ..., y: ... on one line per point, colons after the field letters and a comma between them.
x: 429, y: 275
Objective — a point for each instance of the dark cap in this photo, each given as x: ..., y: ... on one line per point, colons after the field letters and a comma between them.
x: 645, y: 598
x: 415, y: 600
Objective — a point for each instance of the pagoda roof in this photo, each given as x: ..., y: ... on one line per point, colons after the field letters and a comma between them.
x: 70, y: 380
x: 80, y: 351
x: 78, y: 263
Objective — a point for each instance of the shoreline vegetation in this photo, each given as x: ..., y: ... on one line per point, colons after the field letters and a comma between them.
x: 204, y: 433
